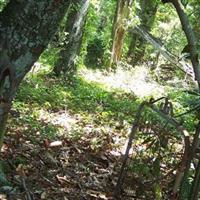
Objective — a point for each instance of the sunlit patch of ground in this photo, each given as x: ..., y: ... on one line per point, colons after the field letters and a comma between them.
x: 61, y: 118
x: 137, y: 80
x: 75, y: 126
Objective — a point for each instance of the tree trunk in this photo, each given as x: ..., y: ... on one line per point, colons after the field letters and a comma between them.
x: 147, y: 12
x: 119, y: 29
x: 136, y: 49
x: 192, y: 43
x: 194, y: 193
x: 191, y: 38
x: 72, y: 43
x: 26, y: 28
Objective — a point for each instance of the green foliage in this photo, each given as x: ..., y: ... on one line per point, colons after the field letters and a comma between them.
x: 97, y: 35
x: 193, y: 12
x: 50, y: 56
x: 168, y: 28
x: 42, y: 93
x: 95, y: 54
x: 2, y: 4
x: 183, y: 102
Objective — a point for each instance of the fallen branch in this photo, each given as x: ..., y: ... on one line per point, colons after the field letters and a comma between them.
x: 29, y: 195
x: 157, y: 44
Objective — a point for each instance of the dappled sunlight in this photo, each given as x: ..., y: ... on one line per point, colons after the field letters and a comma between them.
x: 82, y: 111
x: 81, y: 129
x: 137, y: 80
x: 62, y: 119
x: 169, y: 26
x: 85, y: 128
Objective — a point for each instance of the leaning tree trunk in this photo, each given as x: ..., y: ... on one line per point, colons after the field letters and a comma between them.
x: 191, y: 38
x: 195, y: 189
x: 196, y: 22
x: 119, y: 29
x: 26, y: 27
x: 147, y: 12
x: 72, y: 43
x: 192, y: 43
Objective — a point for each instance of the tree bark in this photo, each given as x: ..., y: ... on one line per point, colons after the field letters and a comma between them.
x: 26, y: 27
x: 72, y: 43
x: 194, y: 193
x: 119, y: 29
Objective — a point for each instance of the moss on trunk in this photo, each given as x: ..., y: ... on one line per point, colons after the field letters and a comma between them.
x: 26, y: 27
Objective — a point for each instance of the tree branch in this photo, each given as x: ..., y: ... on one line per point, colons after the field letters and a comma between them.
x: 189, y: 33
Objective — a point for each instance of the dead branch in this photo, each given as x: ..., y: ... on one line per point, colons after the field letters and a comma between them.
x: 29, y: 195
x: 184, y: 159
x: 158, y: 44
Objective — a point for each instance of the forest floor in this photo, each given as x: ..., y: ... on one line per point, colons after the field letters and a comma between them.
x: 66, y: 140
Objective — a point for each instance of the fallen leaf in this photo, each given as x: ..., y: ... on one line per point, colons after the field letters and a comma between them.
x: 22, y: 170
x: 4, y: 148
x: 43, y: 195
x: 55, y: 144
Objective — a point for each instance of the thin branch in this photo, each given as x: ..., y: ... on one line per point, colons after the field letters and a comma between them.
x: 129, y: 145
x: 192, y: 42
x: 196, y: 108
x: 28, y: 193
x: 135, y: 125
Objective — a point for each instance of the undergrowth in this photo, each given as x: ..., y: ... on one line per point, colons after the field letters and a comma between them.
x: 48, y: 108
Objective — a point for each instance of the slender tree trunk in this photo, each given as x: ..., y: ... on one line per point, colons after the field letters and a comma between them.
x: 194, y: 193
x: 72, y: 43
x: 192, y: 43
x: 191, y: 38
x: 136, y: 49
x: 119, y: 29
x: 147, y: 12
x: 26, y: 27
